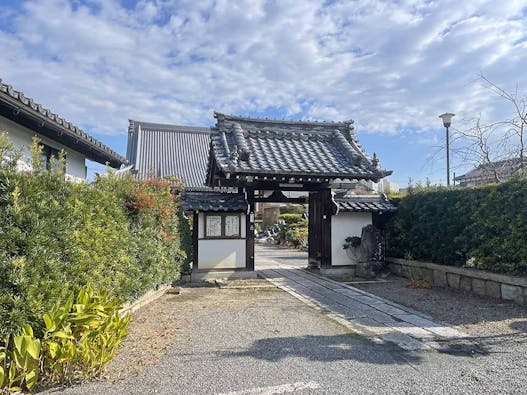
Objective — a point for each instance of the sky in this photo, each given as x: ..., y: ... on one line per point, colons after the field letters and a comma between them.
x: 391, y: 66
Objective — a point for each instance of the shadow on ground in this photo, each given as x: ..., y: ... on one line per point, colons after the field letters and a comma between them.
x: 326, y: 349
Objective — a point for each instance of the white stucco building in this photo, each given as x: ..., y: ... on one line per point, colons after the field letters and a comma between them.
x: 22, y: 119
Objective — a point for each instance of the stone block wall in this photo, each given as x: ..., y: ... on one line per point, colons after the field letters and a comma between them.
x: 482, y: 283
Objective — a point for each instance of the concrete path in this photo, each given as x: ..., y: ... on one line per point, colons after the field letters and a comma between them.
x: 376, y: 318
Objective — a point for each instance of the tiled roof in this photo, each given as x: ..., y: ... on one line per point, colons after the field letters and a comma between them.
x: 253, y: 146
x: 485, y: 173
x: 169, y: 150
x: 365, y: 203
x: 57, y: 128
x: 213, y: 201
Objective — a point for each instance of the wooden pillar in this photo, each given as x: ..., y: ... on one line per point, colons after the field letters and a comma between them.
x: 314, y: 231
x: 320, y: 212
x: 249, y: 232
x: 195, y: 240
x: 326, y: 213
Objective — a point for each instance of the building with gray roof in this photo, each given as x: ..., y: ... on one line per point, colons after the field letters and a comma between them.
x: 488, y: 173
x: 22, y: 118
x: 223, y: 166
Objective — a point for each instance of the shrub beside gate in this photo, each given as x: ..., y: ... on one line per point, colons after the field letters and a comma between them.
x: 483, y: 227
x: 117, y: 236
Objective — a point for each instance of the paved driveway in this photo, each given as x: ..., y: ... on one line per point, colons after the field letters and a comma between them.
x: 264, y: 341
x: 374, y: 317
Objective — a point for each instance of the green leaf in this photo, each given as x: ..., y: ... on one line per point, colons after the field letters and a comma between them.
x: 27, y: 330
x: 19, y: 344
x: 12, y: 373
x: 48, y: 321
x: 33, y: 348
x: 62, y: 335
x: 31, y: 378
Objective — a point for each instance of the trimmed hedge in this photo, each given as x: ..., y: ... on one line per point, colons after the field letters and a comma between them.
x: 484, y: 227
x: 117, y: 234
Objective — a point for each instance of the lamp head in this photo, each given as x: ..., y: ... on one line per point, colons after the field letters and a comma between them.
x: 447, y: 119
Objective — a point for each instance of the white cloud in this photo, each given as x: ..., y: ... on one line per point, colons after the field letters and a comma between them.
x: 388, y: 65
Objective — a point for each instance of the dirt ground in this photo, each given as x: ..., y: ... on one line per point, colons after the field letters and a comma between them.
x: 157, y: 326
x: 470, y: 313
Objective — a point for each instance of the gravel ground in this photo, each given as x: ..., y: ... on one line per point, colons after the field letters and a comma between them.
x: 470, y: 313
x: 236, y: 341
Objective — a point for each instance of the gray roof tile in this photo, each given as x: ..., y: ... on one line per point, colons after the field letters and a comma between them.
x: 213, y: 201
x: 261, y: 146
x: 169, y: 150
x: 365, y: 203
x: 484, y: 173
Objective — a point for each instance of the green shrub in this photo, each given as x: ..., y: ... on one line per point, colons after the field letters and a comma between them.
x: 351, y: 242
x: 186, y: 241
x: 450, y: 226
x: 294, y: 231
x: 291, y: 218
x: 81, y: 336
x: 299, y: 236
x: 20, y: 361
x: 292, y: 209
x: 118, y: 234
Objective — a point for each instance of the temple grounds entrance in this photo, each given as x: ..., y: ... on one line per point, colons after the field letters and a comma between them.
x: 268, y: 255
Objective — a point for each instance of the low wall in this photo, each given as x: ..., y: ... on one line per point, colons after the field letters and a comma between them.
x: 150, y: 296
x: 480, y: 282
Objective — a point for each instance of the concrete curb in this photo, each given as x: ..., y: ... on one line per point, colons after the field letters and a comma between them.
x: 147, y: 298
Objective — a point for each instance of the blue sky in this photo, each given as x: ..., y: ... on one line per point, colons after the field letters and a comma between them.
x: 391, y: 66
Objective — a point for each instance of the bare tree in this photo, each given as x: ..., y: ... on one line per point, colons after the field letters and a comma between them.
x: 499, y: 147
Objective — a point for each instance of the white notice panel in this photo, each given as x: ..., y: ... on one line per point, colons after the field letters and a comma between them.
x: 213, y: 226
x: 232, y: 226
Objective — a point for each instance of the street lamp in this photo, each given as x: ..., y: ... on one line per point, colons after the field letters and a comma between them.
x: 447, y: 121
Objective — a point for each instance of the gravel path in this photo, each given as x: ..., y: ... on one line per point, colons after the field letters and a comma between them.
x: 472, y: 314
x: 263, y: 341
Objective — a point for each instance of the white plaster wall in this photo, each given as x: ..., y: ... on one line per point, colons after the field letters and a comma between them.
x: 343, y: 225
x: 22, y: 137
x: 220, y: 253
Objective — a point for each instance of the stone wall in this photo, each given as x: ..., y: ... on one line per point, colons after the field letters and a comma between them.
x: 482, y: 283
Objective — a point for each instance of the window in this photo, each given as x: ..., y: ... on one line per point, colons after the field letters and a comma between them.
x: 46, y: 155
x: 224, y: 226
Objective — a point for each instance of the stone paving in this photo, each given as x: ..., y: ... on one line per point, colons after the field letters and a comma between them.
x: 376, y: 318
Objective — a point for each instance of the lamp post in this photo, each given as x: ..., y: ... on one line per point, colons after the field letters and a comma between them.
x: 447, y: 121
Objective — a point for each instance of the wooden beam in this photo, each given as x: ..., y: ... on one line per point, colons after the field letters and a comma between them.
x: 279, y: 197
x: 269, y: 185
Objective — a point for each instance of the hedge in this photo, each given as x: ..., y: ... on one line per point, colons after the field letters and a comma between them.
x: 484, y: 227
x: 117, y: 234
